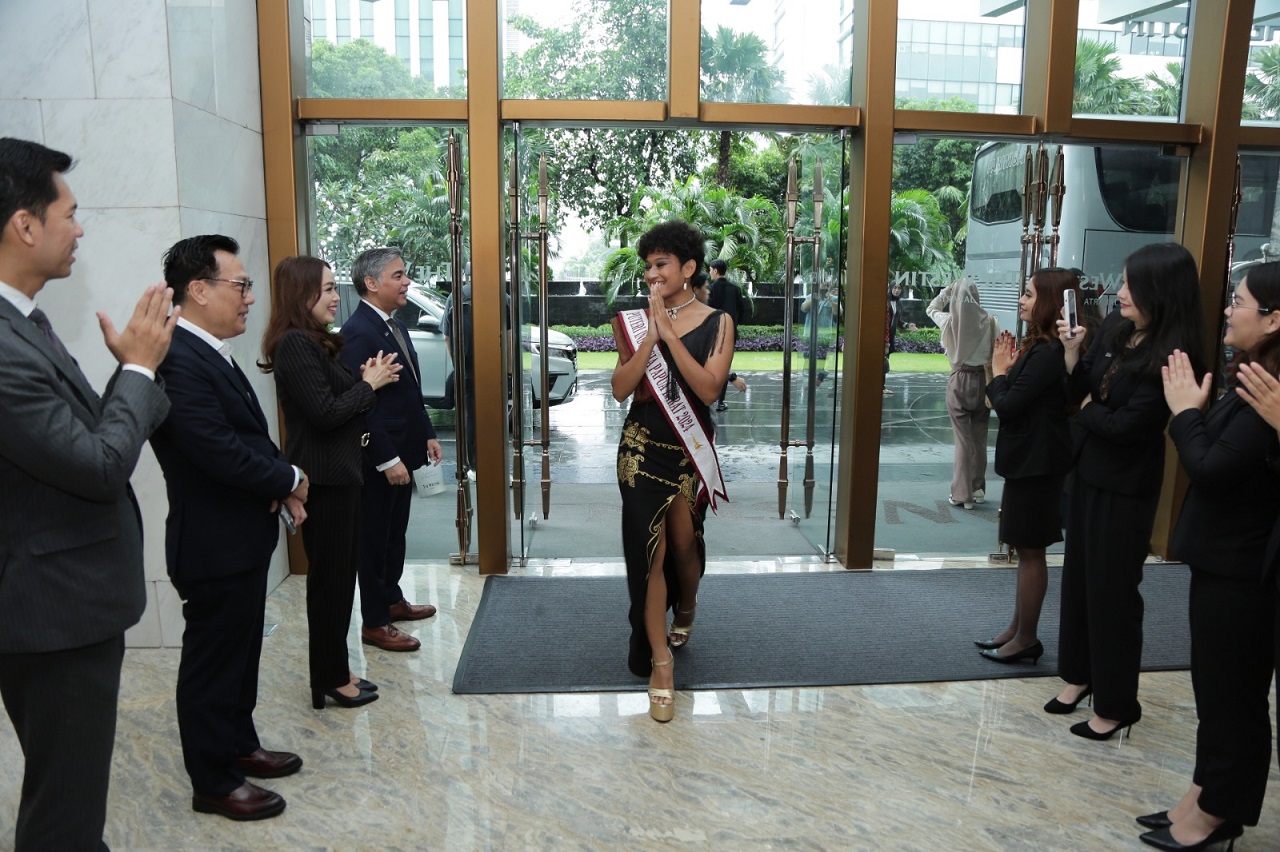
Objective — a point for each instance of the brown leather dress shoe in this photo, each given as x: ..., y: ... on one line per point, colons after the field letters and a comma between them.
x: 246, y: 802
x: 402, y: 610
x: 269, y: 764
x: 389, y: 638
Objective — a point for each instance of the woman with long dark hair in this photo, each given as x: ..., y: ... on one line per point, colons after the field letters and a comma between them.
x: 1119, y: 468
x: 1222, y: 534
x: 324, y: 407
x: 672, y: 361
x: 1033, y: 453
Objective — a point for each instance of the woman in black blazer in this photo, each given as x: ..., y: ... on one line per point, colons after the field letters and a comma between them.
x: 1033, y: 453
x: 1222, y: 533
x: 1119, y: 468
x: 324, y: 407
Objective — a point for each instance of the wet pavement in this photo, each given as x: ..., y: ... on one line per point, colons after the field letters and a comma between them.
x: 913, y: 518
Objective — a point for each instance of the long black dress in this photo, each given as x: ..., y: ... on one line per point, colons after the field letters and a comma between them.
x: 653, y: 470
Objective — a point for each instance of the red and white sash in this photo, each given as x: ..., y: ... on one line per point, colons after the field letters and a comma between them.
x: 679, y: 412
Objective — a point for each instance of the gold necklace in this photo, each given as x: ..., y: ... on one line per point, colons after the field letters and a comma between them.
x: 671, y: 312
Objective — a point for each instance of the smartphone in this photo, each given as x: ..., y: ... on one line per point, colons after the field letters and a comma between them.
x: 287, y: 517
x: 1073, y: 316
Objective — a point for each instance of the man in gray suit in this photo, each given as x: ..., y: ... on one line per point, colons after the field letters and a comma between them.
x: 70, y: 531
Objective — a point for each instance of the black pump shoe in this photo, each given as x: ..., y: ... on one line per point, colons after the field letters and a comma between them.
x: 1156, y: 820
x: 1061, y: 708
x: 365, y: 685
x: 1031, y: 652
x: 1082, y: 729
x: 1162, y: 838
x: 987, y: 644
x: 364, y: 697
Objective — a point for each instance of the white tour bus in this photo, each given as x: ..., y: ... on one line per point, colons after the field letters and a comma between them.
x: 1117, y: 199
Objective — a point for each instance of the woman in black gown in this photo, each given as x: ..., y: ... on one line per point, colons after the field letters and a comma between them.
x: 1222, y: 535
x: 664, y: 495
x: 1119, y: 468
x: 1033, y: 453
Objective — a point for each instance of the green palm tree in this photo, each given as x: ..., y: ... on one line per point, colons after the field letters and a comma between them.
x: 919, y: 237
x: 736, y: 69
x: 1099, y: 88
x: 1166, y: 94
x: 1262, y: 84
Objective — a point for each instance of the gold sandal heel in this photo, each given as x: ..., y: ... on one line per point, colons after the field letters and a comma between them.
x: 678, y: 637
x: 662, y: 712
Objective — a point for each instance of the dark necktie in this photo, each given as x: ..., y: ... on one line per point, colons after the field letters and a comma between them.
x: 41, y: 319
x: 404, y: 348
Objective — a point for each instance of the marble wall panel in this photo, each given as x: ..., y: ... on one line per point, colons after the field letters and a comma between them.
x: 130, y: 48
x: 146, y: 633
x: 235, y: 31
x: 219, y: 164
x: 45, y: 49
x: 125, y: 150
x: 191, y: 54
x: 21, y: 119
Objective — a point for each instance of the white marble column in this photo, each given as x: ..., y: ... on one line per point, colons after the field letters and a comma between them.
x: 158, y: 102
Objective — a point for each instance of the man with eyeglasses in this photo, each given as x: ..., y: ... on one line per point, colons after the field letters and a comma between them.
x: 226, y: 480
x: 70, y: 529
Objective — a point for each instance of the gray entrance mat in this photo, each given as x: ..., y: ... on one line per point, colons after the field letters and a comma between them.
x: 539, y: 634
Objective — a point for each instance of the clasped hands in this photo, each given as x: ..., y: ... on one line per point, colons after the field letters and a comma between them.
x: 1005, y: 354
x: 1181, y: 390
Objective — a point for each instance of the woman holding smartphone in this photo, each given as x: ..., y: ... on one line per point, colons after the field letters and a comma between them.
x: 324, y: 407
x: 1119, y: 468
x: 1222, y: 533
x: 1033, y: 453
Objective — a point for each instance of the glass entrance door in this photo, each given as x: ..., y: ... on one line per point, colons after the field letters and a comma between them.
x: 561, y: 456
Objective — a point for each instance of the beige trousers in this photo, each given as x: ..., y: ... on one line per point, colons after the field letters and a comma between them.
x: 970, y: 419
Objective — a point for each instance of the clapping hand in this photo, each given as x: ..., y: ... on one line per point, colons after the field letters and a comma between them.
x: 1181, y: 391
x: 379, y: 371
x: 1261, y: 390
x: 1004, y: 354
x: 145, y: 340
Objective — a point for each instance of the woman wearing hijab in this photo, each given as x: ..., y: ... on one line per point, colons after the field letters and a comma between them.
x: 968, y: 335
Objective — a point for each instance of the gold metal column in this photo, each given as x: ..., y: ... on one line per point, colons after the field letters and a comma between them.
x: 484, y: 140
x: 870, y: 191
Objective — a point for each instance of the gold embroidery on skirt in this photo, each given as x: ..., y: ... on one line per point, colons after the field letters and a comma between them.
x: 689, y: 488
x: 634, y: 435
x: 628, y: 467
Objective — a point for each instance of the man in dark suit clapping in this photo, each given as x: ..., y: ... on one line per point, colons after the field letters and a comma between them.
x: 71, y: 579
x: 225, y: 480
x: 401, y: 439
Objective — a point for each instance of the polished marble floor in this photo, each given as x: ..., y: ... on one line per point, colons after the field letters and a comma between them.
x: 972, y: 765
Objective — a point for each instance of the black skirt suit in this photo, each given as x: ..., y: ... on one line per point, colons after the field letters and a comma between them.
x: 1119, y: 468
x: 1033, y: 446
x: 324, y: 406
x: 1222, y: 534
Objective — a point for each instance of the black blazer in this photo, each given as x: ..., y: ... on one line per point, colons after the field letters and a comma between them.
x: 221, y: 468
x: 1031, y: 403
x: 1232, y: 504
x: 70, y: 533
x: 324, y: 406
x: 398, y: 423
x: 1120, y: 439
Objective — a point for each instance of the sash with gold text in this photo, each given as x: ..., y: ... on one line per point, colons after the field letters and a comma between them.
x: 679, y: 412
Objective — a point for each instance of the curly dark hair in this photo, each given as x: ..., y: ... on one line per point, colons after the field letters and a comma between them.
x: 675, y: 237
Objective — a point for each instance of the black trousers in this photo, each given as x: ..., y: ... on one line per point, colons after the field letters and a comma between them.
x: 1100, y: 632
x: 218, y: 676
x: 384, y: 518
x: 63, y: 708
x: 329, y: 537
x: 1232, y: 657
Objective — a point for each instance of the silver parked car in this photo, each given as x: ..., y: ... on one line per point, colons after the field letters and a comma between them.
x: 422, y: 315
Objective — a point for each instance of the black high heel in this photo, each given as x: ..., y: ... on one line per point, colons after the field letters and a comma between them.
x: 364, y: 697
x: 1156, y: 820
x: 365, y: 685
x: 1031, y: 652
x: 1082, y: 729
x: 1162, y: 838
x: 988, y: 644
x: 1061, y: 708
